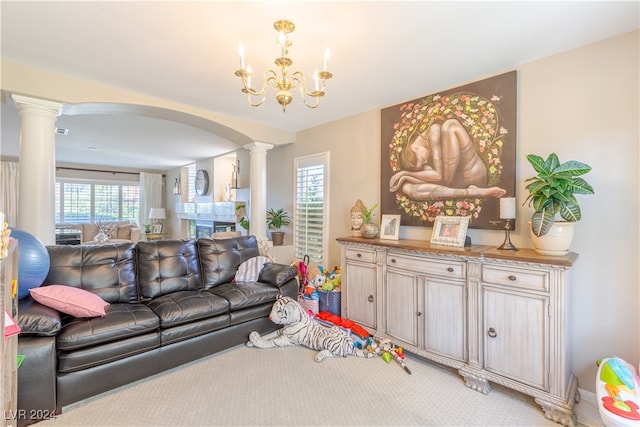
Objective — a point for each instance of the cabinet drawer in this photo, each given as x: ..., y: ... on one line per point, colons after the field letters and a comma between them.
x: 518, y: 277
x: 365, y: 255
x: 443, y: 268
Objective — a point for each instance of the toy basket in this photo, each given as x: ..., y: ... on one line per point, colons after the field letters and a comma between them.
x: 330, y: 301
x: 309, y: 304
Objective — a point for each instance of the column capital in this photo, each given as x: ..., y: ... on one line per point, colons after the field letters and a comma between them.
x: 258, y: 146
x: 22, y: 102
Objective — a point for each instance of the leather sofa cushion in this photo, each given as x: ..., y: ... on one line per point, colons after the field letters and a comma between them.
x: 251, y: 313
x: 277, y: 274
x: 246, y: 294
x: 220, y: 258
x: 106, y: 270
x: 166, y: 266
x: 187, y: 306
x: 37, y: 319
x: 120, y: 321
x: 194, y: 329
x: 107, y: 352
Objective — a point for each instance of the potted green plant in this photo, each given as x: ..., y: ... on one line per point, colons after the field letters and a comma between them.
x: 243, y: 221
x: 552, y: 193
x: 275, y: 220
x: 369, y: 229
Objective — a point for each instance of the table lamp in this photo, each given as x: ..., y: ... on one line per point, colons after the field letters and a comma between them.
x: 508, y: 215
x: 156, y: 214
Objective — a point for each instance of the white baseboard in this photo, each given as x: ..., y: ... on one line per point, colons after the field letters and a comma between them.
x: 587, y: 412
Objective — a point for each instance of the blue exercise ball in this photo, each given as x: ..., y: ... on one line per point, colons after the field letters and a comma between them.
x: 33, y: 261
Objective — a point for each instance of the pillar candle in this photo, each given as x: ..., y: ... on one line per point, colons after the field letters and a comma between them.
x: 508, y: 208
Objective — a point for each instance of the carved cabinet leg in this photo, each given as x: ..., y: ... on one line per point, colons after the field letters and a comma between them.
x: 557, y: 414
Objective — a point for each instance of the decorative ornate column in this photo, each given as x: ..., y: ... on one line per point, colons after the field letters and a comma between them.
x: 258, y: 188
x: 37, y: 163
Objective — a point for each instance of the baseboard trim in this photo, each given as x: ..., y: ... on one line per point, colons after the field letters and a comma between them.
x: 587, y: 411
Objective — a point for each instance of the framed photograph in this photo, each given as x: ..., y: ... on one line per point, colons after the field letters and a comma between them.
x: 450, y: 230
x: 156, y: 228
x: 390, y: 227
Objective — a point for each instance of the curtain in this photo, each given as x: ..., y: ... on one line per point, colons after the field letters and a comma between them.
x: 9, y: 173
x: 150, y: 194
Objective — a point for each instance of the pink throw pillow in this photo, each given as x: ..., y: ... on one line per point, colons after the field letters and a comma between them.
x: 67, y: 299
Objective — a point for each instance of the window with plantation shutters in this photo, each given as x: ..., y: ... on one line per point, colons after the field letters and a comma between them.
x: 310, y: 219
x: 79, y: 201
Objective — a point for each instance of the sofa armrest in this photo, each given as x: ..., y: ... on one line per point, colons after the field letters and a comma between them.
x: 37, y: 319
x: 37, y: 379
x: 135, y: 234
x: 277, y: 274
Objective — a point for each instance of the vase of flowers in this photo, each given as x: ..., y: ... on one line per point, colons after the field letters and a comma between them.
x: 369, y: 229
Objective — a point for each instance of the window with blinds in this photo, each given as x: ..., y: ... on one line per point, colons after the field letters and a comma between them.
x: 88, y: 201
x: 191, y: 180
x: 310, y: 219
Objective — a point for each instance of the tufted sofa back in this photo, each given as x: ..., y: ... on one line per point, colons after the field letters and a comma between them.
x: 166, y: 266
x: 108, y: 271
x: 128, y: 272
x: 220, y: 258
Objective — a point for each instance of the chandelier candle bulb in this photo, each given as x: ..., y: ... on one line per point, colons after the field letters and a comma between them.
x: 241, y: 53
x: 508, y: 208
x: 326, y: 59
x: 282, y: 41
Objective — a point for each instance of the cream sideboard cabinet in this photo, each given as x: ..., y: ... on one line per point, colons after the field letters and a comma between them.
x: 496, y: 316
x: 359, y: 301
x: 426, y: 305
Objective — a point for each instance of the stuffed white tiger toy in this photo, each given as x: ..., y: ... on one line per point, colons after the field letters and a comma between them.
x: 300, y: 329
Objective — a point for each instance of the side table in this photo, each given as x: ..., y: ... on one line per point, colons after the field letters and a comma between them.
x: 153, y: 236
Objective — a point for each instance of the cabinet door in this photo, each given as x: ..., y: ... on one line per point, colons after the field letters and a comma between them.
x: 360, y: 293
x: 402, y: 313
x: 445, y: 308
x: 516, y: 335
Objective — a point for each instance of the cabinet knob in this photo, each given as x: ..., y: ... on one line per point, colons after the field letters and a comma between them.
x: 370, y: 298
x: 512, y: 278
x: 419, y: 313
x: 492, y: 333
x: 393, y: 260
x: 359, y: 255
x: 450, y: 269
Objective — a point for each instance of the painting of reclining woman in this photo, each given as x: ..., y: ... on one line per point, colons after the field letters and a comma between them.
x: 451, y: 153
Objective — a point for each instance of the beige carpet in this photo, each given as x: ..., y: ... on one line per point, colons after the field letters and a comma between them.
x: 286, y: 387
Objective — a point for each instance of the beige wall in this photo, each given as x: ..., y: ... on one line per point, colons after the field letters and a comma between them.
x: 583, y: 105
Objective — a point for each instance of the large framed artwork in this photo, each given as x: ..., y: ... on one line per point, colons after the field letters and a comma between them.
x: 452, y: 153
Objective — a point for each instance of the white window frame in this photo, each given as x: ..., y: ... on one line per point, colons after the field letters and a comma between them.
x: 92, y: 183
x: 322, y: 159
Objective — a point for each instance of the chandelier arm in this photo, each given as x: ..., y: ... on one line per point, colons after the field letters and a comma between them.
x: 305, y: 93
x: 269, y: 75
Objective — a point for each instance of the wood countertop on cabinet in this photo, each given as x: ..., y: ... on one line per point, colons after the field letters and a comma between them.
x: 479, y: 251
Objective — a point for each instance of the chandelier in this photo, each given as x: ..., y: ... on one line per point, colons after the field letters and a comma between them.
x: 283, y: 83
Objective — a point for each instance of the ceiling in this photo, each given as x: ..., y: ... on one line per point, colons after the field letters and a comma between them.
x: 382, y: 53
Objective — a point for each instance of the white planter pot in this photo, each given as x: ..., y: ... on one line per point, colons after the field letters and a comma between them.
x: 556, y: 242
